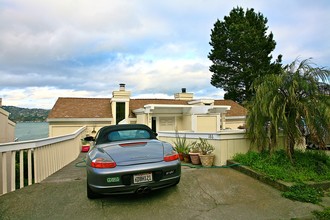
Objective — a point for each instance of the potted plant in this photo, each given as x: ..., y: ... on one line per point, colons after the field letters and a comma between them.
x: 85, y: 145
x: 181, y: 145
x: 206, y: 155
x: 194, y: 153
x: 186, y: 156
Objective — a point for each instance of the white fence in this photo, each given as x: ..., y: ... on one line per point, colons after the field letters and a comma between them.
x: 227, y: 143
x: 42, y: 158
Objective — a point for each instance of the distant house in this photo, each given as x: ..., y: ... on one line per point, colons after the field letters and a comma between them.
x: 7, y: 127
x: 183, y: 113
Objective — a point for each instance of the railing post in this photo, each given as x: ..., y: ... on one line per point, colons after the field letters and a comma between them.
x: 13, y: 171
x: 29, y: 155
x: 36, y: 165
x: 21, y: 169
x: 4, y: 172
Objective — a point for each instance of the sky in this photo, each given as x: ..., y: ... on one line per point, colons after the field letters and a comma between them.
x: 86, y: 48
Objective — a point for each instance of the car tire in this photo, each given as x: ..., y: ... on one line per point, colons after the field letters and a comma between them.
x: 177, y: 182
x: 91, y: 194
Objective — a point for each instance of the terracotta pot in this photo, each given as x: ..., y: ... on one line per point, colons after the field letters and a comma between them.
x: 186, y: 158
x: 194, y: 157
x: 207, y: 160
x: 181, y: 156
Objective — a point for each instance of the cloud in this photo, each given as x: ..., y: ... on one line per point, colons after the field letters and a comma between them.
x: 44, y: 95
x: 54, y: 48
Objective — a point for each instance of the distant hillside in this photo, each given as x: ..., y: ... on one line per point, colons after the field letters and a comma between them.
x: 25, y: 114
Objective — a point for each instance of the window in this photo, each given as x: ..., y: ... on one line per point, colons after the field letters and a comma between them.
x: 154, y: 124
x: 166, y: 123
x: 128, y: 135
x: 120, y: 111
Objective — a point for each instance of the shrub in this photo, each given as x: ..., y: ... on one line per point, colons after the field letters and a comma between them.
x: 322, y: 215
x: 307, y: 166
x: 304, y: 193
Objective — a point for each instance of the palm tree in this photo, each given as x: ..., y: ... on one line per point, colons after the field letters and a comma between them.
x: 292, y: 104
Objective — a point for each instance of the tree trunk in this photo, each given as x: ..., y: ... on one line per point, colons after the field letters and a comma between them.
x: 290, y: 147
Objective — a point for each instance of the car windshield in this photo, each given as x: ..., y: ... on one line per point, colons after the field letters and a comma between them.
x: 128, y: 135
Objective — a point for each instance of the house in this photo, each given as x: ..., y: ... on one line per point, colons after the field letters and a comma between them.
x: 183, y: 113
x: 7, y: 127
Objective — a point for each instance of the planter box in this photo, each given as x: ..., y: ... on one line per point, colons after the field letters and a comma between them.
x: 85, y: 148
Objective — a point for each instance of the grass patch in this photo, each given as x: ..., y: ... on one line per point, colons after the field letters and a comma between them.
x: 307, y: 166
x: 304, y: 193
x: 322, y: 215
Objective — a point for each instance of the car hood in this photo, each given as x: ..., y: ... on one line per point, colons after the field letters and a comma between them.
x: 135, y: 152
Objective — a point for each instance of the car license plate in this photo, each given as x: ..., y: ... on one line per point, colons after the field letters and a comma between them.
x: 142, y: 178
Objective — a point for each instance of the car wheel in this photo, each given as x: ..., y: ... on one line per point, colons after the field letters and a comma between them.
x: 91, y: 194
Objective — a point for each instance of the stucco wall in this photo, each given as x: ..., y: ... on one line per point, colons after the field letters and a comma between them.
x: 226, y: 143
x: 186, y: 123
x: 7, y: 127
x: 234, y: 123
x: 141, y: 119
x: 11, y: 131
x: 207, y: 123
x: 61, y: 128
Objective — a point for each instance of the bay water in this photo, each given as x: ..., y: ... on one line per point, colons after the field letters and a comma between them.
x: 25, y: 131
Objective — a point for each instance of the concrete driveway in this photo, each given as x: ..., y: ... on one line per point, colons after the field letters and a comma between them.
x: 213, y: 193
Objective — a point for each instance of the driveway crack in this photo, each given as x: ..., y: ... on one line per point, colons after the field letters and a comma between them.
x: 207, y: 193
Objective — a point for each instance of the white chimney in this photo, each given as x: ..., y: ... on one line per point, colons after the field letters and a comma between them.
x: 122, y: 94
x: 121, y: 87
x: 184, y: 95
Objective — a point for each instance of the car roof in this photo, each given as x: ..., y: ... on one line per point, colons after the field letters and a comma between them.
x: 111, y: 128
x: 125, y: 127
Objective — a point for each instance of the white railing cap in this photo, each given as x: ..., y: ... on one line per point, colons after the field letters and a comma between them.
x: 22, y: 145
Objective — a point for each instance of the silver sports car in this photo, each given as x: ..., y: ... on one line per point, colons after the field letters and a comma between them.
x: 130, y: 159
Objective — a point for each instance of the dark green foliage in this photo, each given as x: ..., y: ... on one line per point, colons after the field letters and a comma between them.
x: 304, y: 193
x: 322, y: 215
x: 290, y: 102
x: 25, y: 168
x: 241, y: 53
x: 25, y: 114
x: 307, y: 166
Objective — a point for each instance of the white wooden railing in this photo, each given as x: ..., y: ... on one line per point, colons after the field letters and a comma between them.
x: 44, y: 157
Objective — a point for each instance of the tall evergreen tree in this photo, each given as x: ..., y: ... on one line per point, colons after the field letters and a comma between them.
x: 241, y: 53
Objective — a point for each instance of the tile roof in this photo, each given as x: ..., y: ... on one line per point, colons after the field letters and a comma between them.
x: 235, y: 110
x: 101, y: 107
x: 81, y: 108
